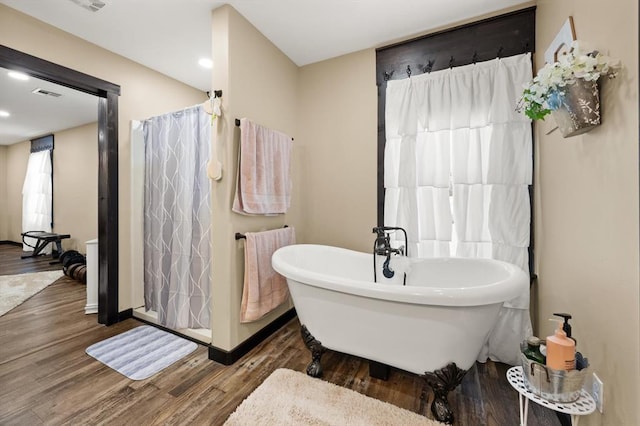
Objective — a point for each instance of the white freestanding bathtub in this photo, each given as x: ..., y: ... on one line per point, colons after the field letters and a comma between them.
x: 441, y: 317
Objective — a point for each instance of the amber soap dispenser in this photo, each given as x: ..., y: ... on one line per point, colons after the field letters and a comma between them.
x: 561, y: 350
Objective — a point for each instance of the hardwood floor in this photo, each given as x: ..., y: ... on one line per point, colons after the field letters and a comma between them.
x: 12, y: 264
x: 46, y: 377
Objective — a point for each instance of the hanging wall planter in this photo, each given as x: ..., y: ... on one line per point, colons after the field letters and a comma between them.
x: 579, y: 108
x: 568, y: 90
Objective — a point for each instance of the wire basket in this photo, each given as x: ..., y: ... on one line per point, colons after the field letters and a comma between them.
x: 550, y: 384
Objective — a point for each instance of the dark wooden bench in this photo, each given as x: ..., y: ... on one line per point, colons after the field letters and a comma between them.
x: 43, y: 239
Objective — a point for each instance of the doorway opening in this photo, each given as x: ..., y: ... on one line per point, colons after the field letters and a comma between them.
x: 107, y: 94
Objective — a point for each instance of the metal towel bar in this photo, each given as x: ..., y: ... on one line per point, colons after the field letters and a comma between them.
x: 240, y: 236
x: 238, y: 124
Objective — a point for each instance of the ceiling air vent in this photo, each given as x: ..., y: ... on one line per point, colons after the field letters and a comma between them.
x: 92, y: 5
x: 46, y: 93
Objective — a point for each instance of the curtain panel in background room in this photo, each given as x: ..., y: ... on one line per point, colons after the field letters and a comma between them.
x: 37, y: 193
x: 457, y: 166
x: 177, y: 218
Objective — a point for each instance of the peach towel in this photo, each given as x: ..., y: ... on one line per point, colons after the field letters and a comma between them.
x: 264, y: 182
x: 264, y: 289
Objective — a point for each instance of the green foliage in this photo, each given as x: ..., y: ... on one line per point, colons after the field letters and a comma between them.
x: 531, y: 107
x: 544, y: 93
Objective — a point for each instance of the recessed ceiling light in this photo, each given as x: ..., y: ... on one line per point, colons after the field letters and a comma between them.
x: 4, y: 113
x: 205, y: 62
x: 18, y: 75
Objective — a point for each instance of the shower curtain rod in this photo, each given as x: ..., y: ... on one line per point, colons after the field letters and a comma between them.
x: 240, y: 236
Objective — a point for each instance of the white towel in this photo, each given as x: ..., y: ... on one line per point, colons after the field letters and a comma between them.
x: 264, y: 181
x: 264, y: 289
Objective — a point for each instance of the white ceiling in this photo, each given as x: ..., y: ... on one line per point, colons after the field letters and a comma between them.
x: 170, y: 36
x: 35, y: 115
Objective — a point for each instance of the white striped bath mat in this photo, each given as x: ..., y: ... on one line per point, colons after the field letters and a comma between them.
x: 141, y: 352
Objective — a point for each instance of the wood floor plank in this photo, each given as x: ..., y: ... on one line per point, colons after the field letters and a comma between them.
x: 12, y: 264
x: 47, y: 378
x: 26, y: 417
x: 126, y: 407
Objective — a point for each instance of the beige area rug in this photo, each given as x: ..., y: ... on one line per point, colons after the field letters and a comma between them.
x: 15, y: 289
x: 288, y: 397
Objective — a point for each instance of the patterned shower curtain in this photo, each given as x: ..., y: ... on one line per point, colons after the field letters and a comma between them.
x: 457, y: 167
x: 177, y: 218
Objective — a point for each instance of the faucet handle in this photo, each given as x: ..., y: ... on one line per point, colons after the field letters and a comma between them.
x: 380, y: 231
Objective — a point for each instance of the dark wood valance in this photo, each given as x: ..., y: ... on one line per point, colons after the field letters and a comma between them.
x: 505, y: 35
x: 43, y: 143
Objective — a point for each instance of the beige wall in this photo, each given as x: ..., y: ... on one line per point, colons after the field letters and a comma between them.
x: 258, y: 82
x: 587, y: 211
x: 145, y: 93
x: 3, y: 194
x: 337, y: 120
x: 75, y: 186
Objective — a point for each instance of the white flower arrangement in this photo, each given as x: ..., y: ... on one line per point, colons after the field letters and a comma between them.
x: 546, y: 91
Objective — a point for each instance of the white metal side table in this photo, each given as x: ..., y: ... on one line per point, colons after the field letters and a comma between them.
x: 583, y: 406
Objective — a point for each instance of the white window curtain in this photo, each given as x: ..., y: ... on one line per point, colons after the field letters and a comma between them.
x: 458, y: 162
x: 177, y: 218
x: 36, y: 197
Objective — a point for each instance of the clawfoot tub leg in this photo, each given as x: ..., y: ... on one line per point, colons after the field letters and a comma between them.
x: 314, y: 369
x: 443, y: 381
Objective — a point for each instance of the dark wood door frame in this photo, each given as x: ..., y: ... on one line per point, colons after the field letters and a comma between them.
x: 107, y: 94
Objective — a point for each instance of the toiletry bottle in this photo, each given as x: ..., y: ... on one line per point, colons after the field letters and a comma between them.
x: 561, y: 351
x: 566, y: 326
x: 532, y: 351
